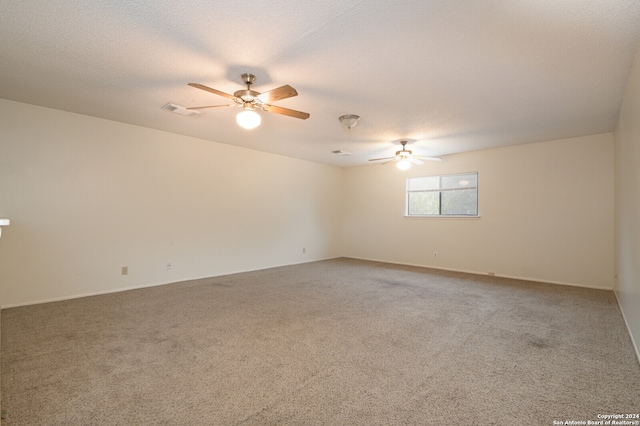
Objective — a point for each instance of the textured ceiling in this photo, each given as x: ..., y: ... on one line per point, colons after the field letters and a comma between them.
x: 452, y: 75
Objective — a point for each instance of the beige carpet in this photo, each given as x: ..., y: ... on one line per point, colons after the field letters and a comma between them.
x: 339, y: 342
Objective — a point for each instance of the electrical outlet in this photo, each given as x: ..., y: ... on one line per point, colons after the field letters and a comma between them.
x: 304, y: 250
x: 168, y: 267
x: 125, y: 270
x: 435, y: 254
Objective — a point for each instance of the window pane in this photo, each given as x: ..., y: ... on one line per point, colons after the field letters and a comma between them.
x: 423, y: 183
x: 448, y: 195
x: 424, y: 203
x: 460, y: 202
x: 460, y: 181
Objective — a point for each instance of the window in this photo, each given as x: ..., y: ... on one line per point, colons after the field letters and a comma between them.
x: 447, y: 195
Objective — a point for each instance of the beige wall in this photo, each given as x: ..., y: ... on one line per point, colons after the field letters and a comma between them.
x: 88, y: 196
x: 627, y: 195
x: 546, y: 214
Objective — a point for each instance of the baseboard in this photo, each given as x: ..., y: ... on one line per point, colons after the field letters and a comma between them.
x: 464, y: 271
x: 156, y: 284
x: 624, y: 317
x: 633, y: 342
x: 538, y: 280
x: 59, y: 299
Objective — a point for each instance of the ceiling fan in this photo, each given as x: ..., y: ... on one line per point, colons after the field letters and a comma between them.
x: 404, y: 157
x: 250, y: 100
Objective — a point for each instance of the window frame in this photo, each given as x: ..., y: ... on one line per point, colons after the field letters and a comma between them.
x: 440, y: 191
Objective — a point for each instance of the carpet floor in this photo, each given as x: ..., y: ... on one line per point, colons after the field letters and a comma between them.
x: 337, y: 342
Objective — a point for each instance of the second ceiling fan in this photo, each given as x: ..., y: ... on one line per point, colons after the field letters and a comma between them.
x: 405, y: 157
x: 250, y: 100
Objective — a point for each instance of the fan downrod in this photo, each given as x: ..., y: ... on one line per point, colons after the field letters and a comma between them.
x: 248, y: 79
x: 404, y: 149
x: 247, y: 95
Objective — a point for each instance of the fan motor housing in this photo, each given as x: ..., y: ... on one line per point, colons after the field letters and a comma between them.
x: 246, y: 95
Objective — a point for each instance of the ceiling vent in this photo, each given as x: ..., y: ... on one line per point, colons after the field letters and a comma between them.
x: 181, y: 110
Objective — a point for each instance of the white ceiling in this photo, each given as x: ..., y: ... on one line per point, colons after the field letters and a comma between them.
x: 453, y: 75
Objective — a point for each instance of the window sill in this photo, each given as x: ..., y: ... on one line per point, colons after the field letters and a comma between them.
x: 441, y: 217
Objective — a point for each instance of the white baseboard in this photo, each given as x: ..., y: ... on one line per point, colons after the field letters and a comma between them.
x: 98, y: 293
x: 538, y: 280
x: 633, y: 341
x: 156, y: 284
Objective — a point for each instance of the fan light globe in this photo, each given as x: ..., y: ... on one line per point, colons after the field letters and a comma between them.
x: 403, y: 164
x: 349, y: 121
x: 248, y: 119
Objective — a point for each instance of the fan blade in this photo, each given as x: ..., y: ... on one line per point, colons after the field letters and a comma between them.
x: 285, y: 111
x: 415, y: 160
x: 385, y: 158
x: 428, y: 158
x: 214, y: 91
x: 283, y: 92
x: 212, y: 106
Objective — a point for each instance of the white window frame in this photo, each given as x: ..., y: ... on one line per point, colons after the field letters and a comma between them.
x: 407, y: 192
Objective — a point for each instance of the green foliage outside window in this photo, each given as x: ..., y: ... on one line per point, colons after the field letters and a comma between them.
x: 447, y: 195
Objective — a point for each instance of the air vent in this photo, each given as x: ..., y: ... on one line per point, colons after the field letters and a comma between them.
x: 181, y: 110
x: 341, y: 152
